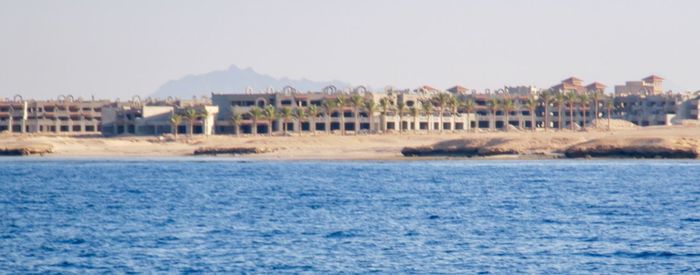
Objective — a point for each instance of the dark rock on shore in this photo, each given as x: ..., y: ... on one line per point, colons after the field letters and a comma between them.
x: 230, y: 151
x: 429, y: 151
x: 25, y: 150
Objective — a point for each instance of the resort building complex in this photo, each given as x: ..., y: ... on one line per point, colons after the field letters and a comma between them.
x: 567, y: 105
x: 64, y: 115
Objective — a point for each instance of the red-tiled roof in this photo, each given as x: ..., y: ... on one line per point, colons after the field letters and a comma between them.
x: 571, y: 79
x: 596, y: 85
x: 653, y: 77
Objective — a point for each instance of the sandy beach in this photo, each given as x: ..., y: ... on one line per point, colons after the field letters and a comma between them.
x: 363, y: 147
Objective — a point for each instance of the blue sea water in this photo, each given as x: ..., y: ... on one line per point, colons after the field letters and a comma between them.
x: 224, y: 215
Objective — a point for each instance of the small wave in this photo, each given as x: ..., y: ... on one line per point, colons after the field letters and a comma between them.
x: 73, y: 241
x: 340, y: 235
x: 292, y: 267
x: 691, y: 220
x: 641, y: 255
x: 433, y: 217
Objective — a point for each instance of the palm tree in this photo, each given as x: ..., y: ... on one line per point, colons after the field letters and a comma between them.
x: 400, y: 110
x: 597, y: 96
x: 236, y: 120
x: 300, y: 115
x: 328, y: 109
x: 453, y: 104
x: 286, y: 116
x: 204, y: 115
x: 257, y: 114
x: 442, y: 101
x: 493, y: 107
x: 571, y: 100
x: 508, y: 106
x: 371, y: 108
x: 191, y: 116
x: 340, y: 104
x: 384, y: 106
x: 546, y: 99
x: 609, y: 106
x: 270, y: 115
x: 427, y: 106
x: 531, y: 105
x: 559, y: 99
x: 585, y: 100
x: 469, y: 108
x: 415, y: 112
x: 313, y: 114
x: 175, y: 120
x: 357, y: 102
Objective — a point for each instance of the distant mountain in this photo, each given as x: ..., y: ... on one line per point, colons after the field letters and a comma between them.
x: 234, y: 80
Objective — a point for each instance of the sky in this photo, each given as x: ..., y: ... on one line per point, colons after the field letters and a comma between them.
x: 117, y: 49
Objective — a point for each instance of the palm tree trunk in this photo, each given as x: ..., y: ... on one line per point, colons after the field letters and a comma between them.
x: 400, y: 123
x: 269, y: 128
x: 254, y: 128
x: 357, y: 121
x: 595, y: 117
x: 561, y: 118
x: 469, y: 123
x: 532, y: 120
x: 571, y: 116
x: 546, y: 117
x: 238, y: 130
x: 416, y: 125
x: 312, y: 125
x: 342, y: 122
x: 328, y: 123
x: 427, y: 129
x: 609, y: 110
x: 584, y: 117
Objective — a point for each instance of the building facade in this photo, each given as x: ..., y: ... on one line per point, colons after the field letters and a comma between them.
x: 62, y: 116
x: 156, y: 118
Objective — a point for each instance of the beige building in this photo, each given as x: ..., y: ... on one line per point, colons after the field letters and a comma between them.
x: 651, y: 85
x: 136, y: 118
x: 63, y: 116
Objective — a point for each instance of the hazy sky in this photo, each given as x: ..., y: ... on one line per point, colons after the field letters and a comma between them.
x: 121, y: 48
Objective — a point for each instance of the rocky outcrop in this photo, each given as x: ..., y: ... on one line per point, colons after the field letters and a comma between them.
x: 25, y: 150
x: 635, y: 148
x: 608, y: 147
x: 231, y: 150
x: 467, y: 148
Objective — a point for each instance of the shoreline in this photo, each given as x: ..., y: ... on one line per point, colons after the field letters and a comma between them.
x: 516, y: 145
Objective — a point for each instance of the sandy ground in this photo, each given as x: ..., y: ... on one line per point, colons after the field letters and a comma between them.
x: 325, y: 146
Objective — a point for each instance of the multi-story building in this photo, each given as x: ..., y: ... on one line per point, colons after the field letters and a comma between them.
x: 155, y: 118
x: 62, y: 116
x: 651, y: 85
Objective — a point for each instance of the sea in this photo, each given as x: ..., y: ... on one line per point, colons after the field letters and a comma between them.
x: 228, y: 215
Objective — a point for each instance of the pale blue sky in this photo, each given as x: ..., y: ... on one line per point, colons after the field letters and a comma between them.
x: 121, y: 48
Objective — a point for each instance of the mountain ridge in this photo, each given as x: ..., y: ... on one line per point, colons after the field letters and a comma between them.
x: 235, y: 80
